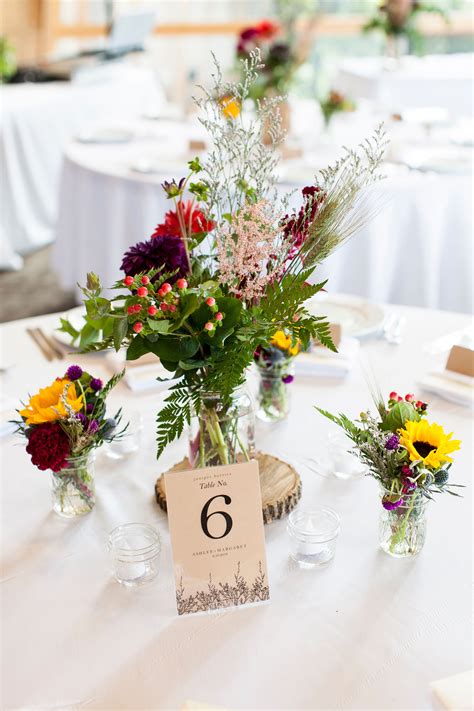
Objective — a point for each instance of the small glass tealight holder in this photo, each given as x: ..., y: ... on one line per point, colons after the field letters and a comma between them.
x: 313, y: 536
x: 134, y: 550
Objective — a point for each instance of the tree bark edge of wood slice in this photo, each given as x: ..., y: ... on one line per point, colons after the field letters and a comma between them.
x: 280, y: 484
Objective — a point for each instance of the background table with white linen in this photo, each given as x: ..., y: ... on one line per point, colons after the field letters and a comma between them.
x: 37, y: 122
x: 435, y: 80
x: 367, y: 632
x: 409, y: 254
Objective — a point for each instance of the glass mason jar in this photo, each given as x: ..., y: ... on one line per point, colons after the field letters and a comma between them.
x: 273, y: 389
x: 73, y: 487
x: 402, y: 530
x: 134, y: 550
x: 222, y: 433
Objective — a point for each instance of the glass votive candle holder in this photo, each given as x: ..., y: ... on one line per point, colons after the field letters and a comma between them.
x: 134, y: 550
x: 313, y: 536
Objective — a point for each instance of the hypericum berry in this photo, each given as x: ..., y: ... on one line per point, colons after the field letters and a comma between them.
x: 296, y: 318
x: 164, y: 306
x: 142, y: 291
x: 172, y: 308
x: 131, y: 309
x: 399, y: 398
x: 128, y: 281
x: 419, y: 404
x: 137, y: 308
x: 152, y: 310
x: 208, y: 326
x: 165, y: 288
x: 182, y: 284
x: 144, y: 280
x: 219, y: 316
x: 138, y: 326
x: 409, y: 397
x: 210, y: 301
x: 393, y: 395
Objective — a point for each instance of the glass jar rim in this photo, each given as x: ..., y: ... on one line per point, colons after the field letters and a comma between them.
x: 325, y: 534
x: 407, y: 495
x: 119, y: 532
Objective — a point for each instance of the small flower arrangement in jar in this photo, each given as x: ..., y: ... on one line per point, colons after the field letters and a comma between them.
x: 335, y: 103
x: 64, y: 423
x: 410, y: 458
x: 275, y: 368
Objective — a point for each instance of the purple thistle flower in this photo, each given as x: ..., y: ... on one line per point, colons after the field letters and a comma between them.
x: 89, y: 407
x: 93, y: 426
x: 74, y: 372
x: 287, y: 379
x: 392, y: 442
x: 391, y: 505
x: 82, y: 419
x: 164, y: 252
x: 96, y: 384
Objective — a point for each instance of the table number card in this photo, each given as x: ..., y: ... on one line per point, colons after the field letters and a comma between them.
x: 216, y: 527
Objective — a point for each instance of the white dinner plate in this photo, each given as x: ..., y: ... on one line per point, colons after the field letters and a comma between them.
x: 106, y: 135
x: 356, y: 316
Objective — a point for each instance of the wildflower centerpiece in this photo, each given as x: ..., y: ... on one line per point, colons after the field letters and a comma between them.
x: 410, y: 458
x: 335, y: 103
x: 64, y: 424
x: 275, y: 369
x: 229, y: 266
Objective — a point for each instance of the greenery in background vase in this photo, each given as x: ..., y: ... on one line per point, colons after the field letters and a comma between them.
x: 275, y: 369
x: 63, y: 424
x: 397, y: 18
x: 410, y: 459
x: 229, y: 265
x: 7, y: 60
x: 335, y: 103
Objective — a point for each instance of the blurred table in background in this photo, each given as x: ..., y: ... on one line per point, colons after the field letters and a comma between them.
x: 37, y: 122
x: 416, y: 251
x: 443, y: 81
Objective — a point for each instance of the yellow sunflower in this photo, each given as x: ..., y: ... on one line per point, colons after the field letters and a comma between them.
x: 428, y: 442
x: 230, y: 106
x: 283, y: 342
x: 47, y: 406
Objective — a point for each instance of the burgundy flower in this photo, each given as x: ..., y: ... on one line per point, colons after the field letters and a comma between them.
x: 296, y: 226
x: 163, y: 251
x: 391, y: 505
x: 48, y: 446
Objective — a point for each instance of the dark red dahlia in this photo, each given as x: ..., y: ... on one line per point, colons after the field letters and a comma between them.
x: 48, y: 446
x: 296, y: 226
x: 193, y: 219
x: 165, y: 251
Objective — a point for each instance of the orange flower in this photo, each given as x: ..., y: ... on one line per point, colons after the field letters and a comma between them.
x: 47, y: 405
x: 230, y: 106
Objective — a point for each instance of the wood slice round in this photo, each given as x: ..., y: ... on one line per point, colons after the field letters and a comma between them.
x: 279, y: 482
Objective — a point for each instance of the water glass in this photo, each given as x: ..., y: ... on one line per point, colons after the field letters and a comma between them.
x: 134, y: 550
x: 313, y: 536
x: 343, y: 464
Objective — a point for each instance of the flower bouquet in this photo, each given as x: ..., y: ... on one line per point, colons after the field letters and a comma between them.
x: 226, y: 269
x: 397, y: 19
x: 275, y: 368
x: 335, y: 103
x: 410, y: 459
x: 63, y: 424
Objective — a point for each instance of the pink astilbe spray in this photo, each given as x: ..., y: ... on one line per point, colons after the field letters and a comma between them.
x: 249, y: 251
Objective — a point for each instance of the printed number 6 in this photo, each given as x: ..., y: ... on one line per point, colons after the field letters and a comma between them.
x: 205, y: 516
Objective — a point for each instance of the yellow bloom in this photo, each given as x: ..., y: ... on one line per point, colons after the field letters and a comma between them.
x: 283, y: 342
x: 428, y: 442
x: 46, y: 406
x: 230, y: 106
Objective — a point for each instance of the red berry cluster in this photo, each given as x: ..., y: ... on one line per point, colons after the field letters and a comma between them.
x: 419, y: 405
x: 211, y: 326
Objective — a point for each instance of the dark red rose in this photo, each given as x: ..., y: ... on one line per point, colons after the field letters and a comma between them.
x: 48, y: 446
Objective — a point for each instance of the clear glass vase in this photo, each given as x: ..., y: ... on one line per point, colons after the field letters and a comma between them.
x: 73, y: 487
x: 402, y: 530
x: 222, y: 433
x: 273, y: 390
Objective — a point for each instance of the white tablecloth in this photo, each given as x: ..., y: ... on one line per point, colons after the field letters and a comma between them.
x: 435, y: 80
x: 367, y: 632
x: 417, y: 251
x: 37, y: 121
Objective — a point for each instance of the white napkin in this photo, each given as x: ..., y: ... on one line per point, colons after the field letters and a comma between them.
x: 140, y: 375
x: 450, y: 386
x: 455, y: 692
x: 321, y: 362
x: 8, y: 412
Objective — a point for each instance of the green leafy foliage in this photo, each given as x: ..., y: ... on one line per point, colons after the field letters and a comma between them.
x: 398, y: 415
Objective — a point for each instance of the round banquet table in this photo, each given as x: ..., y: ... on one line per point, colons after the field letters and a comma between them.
x: 37, y: 122
x: 366, y: 632
x: 416, y: 251
x: 434, y: 80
